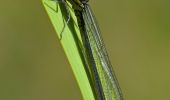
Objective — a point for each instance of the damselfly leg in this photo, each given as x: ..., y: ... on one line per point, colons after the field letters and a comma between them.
x: 57, y: 2
x: 60, y: 3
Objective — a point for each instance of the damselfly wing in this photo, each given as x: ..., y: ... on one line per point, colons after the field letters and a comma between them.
x: 98, y: 66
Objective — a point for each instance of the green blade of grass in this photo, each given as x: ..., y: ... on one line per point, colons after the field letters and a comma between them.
x: 71, y: 43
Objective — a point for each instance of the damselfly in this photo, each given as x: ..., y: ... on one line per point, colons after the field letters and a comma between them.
x: 98, y: 66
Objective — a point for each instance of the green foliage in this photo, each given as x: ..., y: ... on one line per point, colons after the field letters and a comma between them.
x: 71, y: 43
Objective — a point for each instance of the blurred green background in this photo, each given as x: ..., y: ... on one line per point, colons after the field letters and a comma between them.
x: 33, y: 65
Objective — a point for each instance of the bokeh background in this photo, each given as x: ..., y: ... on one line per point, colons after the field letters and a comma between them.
x: 33, y: 65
